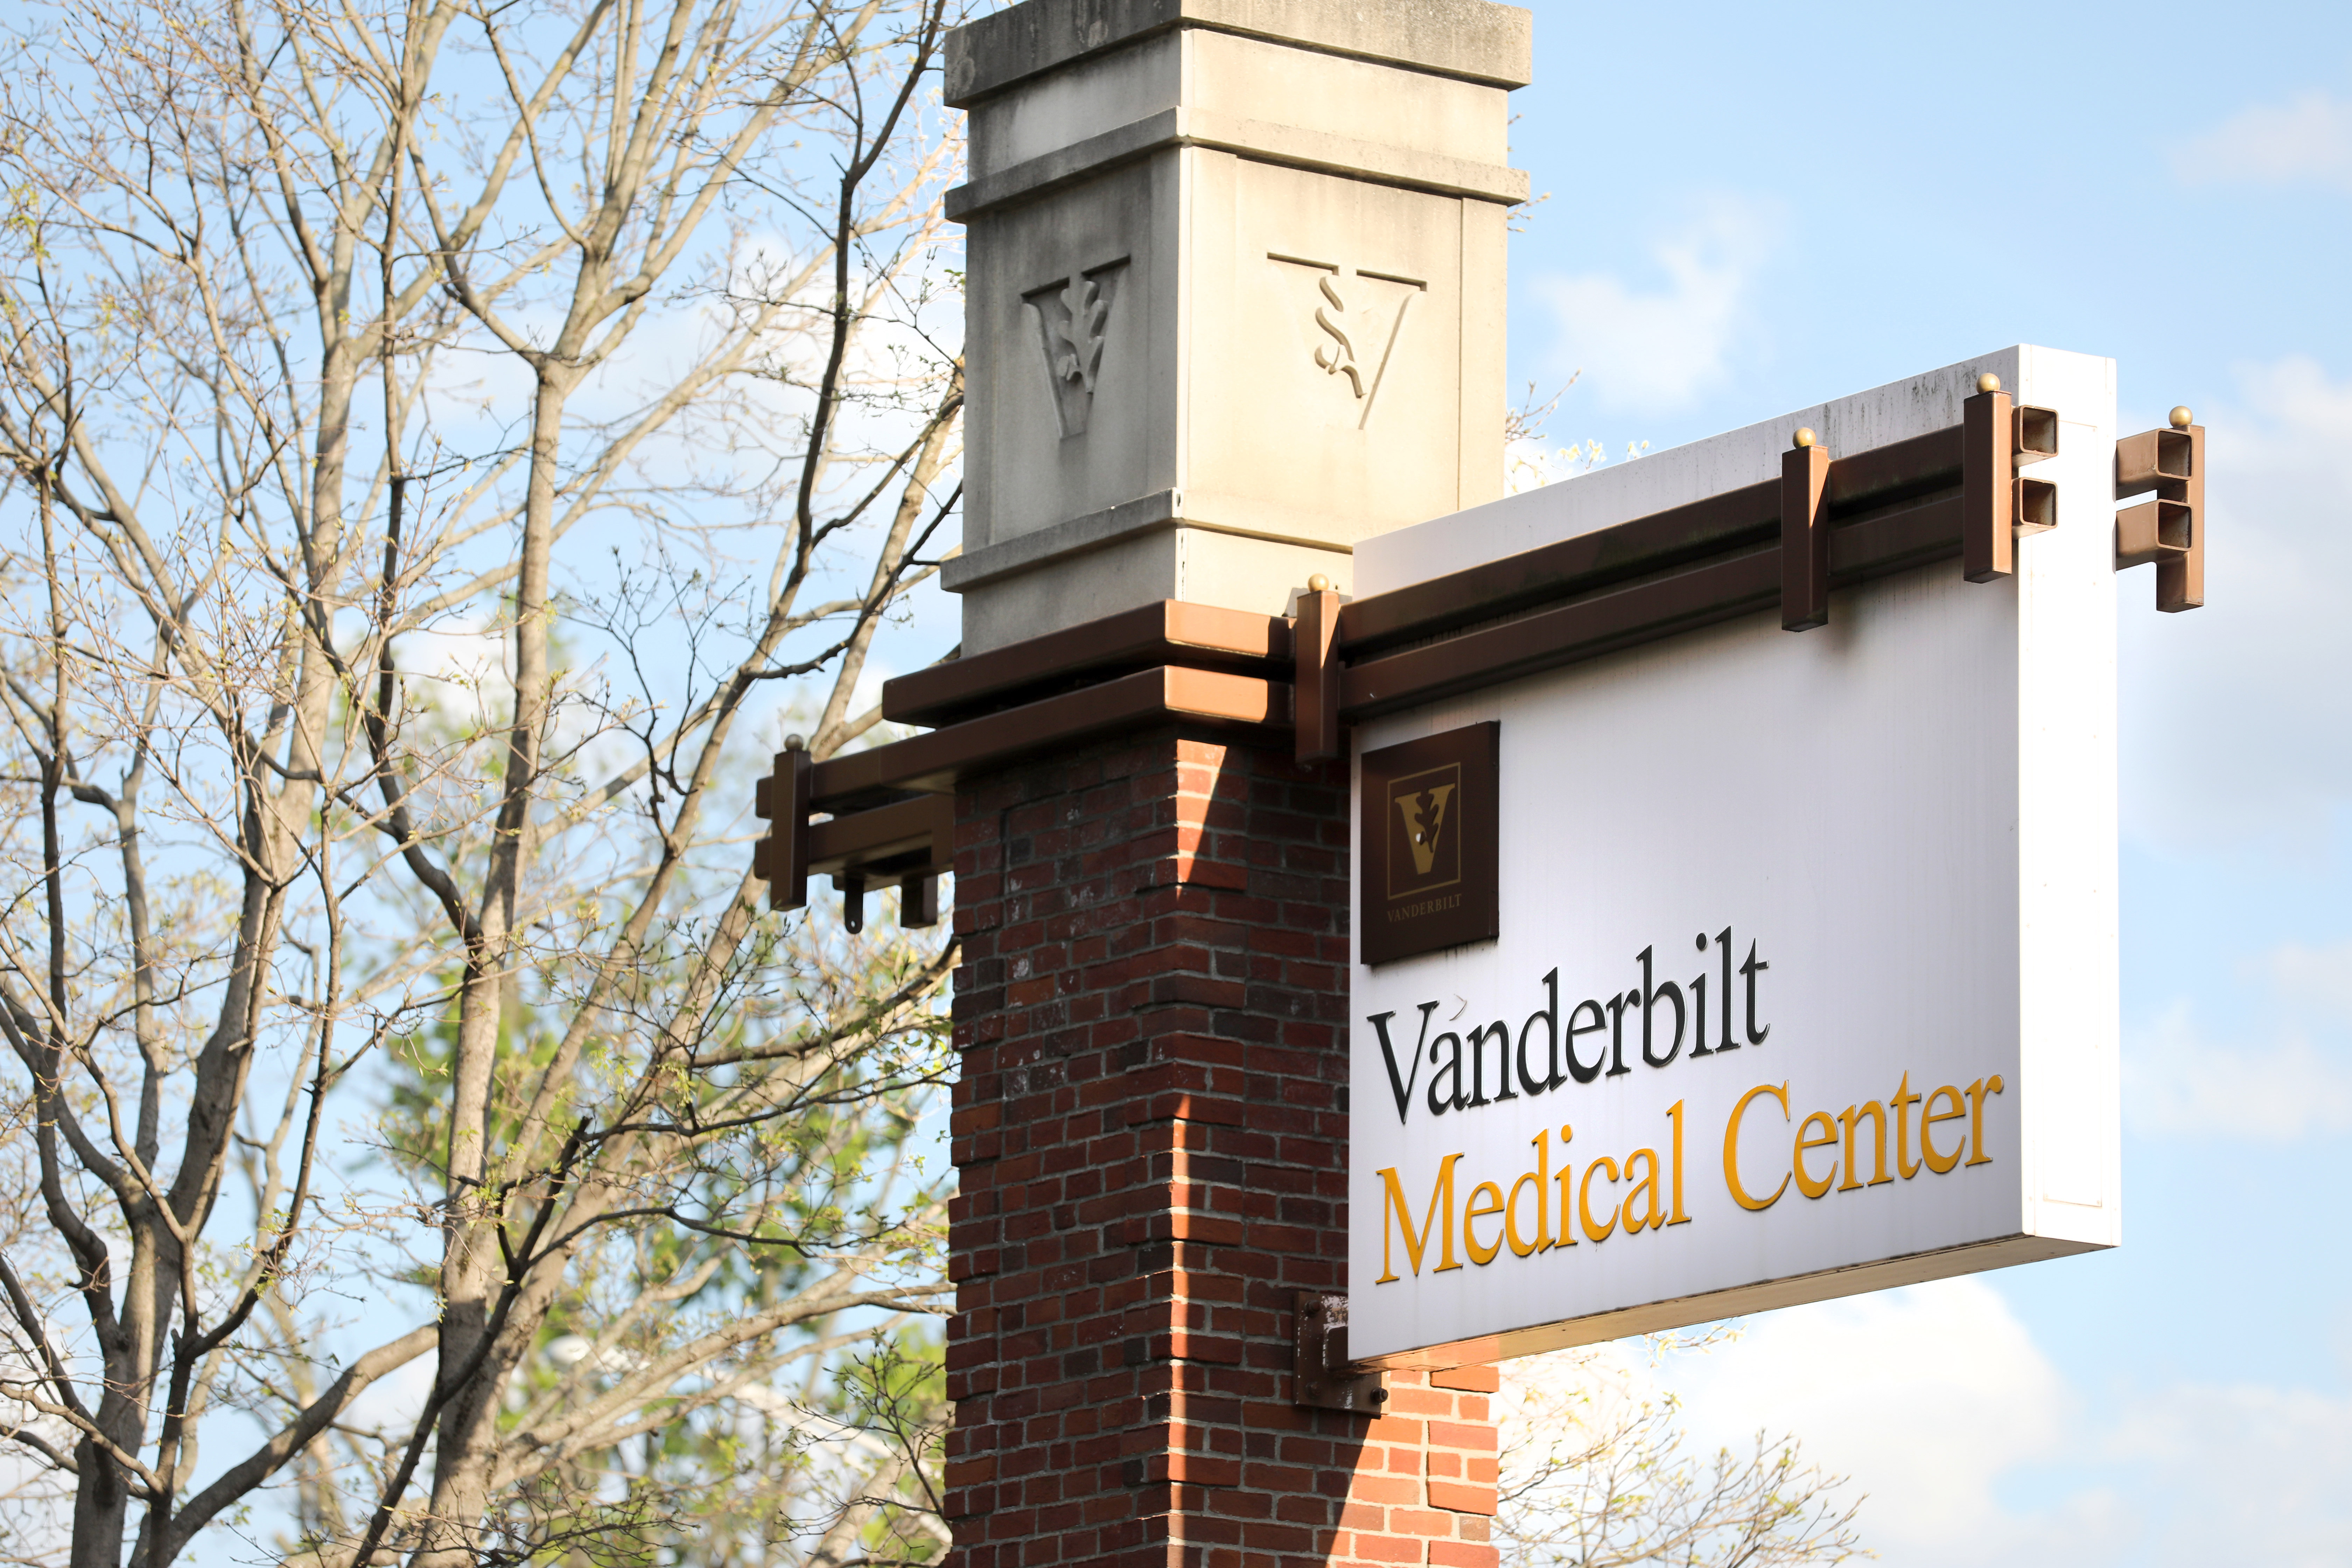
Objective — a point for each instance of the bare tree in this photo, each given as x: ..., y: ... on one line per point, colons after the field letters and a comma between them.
x: 385, y: 389
x: 1593, y: 1474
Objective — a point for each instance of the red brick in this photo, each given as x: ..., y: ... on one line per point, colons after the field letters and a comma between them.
x: 1419, y: 1522
x: 1456, y: 1554
x: 1461, y: 1499
x: 1420, y: 1402
x: 1462, y: 1435
x: 1476, y: 1379
x: 1151, y: 1010
x: 1368, y: 1488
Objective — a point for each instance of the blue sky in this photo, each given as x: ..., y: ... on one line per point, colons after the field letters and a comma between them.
x: 1753, y: 208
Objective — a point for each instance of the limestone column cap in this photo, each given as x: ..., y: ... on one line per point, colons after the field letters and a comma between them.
x: 1298, y: 147
x: 1473, y: 40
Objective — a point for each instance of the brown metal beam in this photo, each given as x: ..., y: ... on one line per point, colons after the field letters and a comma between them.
x: 1900, y: 471
x: 1895, y: 540
x: 2170, y: 530
x: 1619, y: 618
x: 1679, y: 536
x: 877, y: 832
x: 923, y: 828
x: 1315, y: 674
x: 1177, y: 660
x: 1988, y: 484
x: 930, y: 763
x: 1170, y: 632
x: 1873, y: 512
x: 1804, y: 536
x: 781, y: 855
x: 1875, y: 545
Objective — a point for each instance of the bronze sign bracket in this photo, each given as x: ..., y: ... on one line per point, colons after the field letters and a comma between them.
x: 1997, y: 504
x: 1323, y: 1378
x: 887, y: 814
x: 910, y: 841
x: 781, y: 799
x: 1804, y: 535
x: 2170, y: 530
x: 1315, y: 685
x: 1988, y: 501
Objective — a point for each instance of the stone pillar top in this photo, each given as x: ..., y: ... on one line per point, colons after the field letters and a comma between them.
x: 1467, y: 38
x: 1234, y: 293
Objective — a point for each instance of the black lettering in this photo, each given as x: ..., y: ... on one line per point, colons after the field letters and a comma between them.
x: 1500, y: 1033
x: 1576, y: 1069
x: 1698, y: 1006
x: 1723, y: 940
x: 1617, y: 1032
x: 1551, y: 1015
x: 1401, y: 1088
x: 1751, y: 969
x: 1651, y: 993
x: 1452, y: 1067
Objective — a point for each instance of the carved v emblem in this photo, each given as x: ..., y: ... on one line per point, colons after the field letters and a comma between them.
x: 1073, y: 325
x: 1425, y: 818
x: 1357, y: 318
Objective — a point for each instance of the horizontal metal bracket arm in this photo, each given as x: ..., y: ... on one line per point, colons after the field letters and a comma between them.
x: 1958, y: 491
x: 2170, y: 530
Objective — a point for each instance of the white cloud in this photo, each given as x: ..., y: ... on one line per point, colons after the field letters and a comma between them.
x: 1660, y: 349
x: 1973, y: 1447
x: 2317, y: 976
x: 2241, y: 1474
x: 2307, y: 138
x: 2176, y: 1081
x: 2238, y: 717
x: 1924, y: 1397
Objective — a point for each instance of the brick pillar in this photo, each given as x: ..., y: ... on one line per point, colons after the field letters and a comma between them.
x: 1151, y: 1131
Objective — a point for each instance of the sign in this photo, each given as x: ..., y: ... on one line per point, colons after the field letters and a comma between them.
x: 1800, y: 978
x: 1429, y: 854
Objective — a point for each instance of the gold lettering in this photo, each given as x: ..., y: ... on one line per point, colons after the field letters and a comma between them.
x: 1928, y: 1117
x: 1650, y: 1218
x: 1977, y: 1092
x: 1566, y: 1169
x: 1585, y: 1199
x: 1425, y: 907
x: 1903, y: 1101
x: 1675, y: 1114
x: 1805, y: 1183
x: 1540, y: 1179
x: 1654, y: 1197
x: 1852, y: 1117
x: 1731, y: 1149
x: 1440, y: 1212
x: 1481, y: 1256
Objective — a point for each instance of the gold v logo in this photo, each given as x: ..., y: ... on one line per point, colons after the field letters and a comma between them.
x: 1426, y: 818
x: 1426, y: 840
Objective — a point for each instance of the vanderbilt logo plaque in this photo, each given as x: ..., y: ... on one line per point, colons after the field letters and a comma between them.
x: 1428, y: 844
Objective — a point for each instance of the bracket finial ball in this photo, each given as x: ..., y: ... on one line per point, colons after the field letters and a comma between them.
x: 1318, y: 583
x: 795, y: 743
x: 1805, y: 436
x: 1988, y: 381
x: 2182, y: 418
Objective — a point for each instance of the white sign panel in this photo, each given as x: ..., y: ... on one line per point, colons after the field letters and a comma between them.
x: 1806, y: 978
